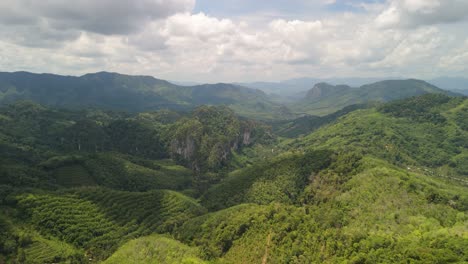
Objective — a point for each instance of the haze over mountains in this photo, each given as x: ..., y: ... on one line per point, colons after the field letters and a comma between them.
x: 115, y: 91
x: 325, y: 98
x: 298, y: 87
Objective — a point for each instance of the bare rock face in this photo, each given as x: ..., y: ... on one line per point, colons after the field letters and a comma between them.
x: 184, y: 148
x: 246, y: 140
x: 202, y: 149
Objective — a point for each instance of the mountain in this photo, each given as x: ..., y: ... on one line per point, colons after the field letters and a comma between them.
x: 296, y: 88
x: 113, y: 91
x: 323, y: 90
x: 290, y: 89
x: 324, y: 98
x: 383, y: 183
x: 373, y: 187
x: 458, y: 85
x: 283, y: 90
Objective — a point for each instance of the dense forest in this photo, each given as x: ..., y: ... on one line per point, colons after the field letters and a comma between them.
x: 372, y: 183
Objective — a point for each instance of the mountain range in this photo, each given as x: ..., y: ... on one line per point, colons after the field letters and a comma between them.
x: 113, y: 91
x: 294, y: 88
x: 383, y: 183
x: 325, y: 98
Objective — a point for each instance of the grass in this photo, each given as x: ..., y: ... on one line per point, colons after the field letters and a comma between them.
x: 155, y: 249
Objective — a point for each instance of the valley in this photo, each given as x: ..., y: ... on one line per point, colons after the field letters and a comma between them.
x: 222, y: 174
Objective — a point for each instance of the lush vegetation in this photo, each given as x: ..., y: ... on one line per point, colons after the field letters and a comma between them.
x: 155, y: 249
x: 324, y: 99
x: 113, y: 91
x: 306, y: 124
x: 382, y: 183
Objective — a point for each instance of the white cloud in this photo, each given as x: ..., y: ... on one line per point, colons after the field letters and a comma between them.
x: 200, y: 47
x: 415, y: 13
x: 51, y: 22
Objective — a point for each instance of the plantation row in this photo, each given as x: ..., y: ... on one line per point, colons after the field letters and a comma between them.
x: 154, y: 211
x: 100, y: 220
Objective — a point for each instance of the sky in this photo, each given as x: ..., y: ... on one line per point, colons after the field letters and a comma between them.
x: 236, y: 40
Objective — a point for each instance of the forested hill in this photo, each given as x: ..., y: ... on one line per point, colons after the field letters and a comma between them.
x: 383, y: 183
x: 324, y: 98
x: 113, y: 91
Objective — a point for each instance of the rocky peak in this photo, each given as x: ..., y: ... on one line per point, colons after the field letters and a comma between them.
x: 324, y: 89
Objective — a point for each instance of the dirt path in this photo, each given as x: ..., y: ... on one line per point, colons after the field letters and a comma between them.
x: 265, y: 256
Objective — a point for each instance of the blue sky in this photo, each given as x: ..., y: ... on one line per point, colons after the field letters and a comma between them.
x: 298, y: 8
x: 243, y: 7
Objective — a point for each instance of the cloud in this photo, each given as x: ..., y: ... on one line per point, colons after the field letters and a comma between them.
x: 415, y: 13
x: 200, y: 47
x: 39, y: 23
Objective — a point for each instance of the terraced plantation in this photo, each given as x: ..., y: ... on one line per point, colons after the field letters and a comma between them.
x: 100, y: 219
x: 49, y: 251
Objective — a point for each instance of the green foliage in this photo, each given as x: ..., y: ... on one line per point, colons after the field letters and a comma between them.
x: 43, y: 250
x: 8, y: 241
x: 325, y: 99
x: 93, y: 218
x: 460, y: 163
x: 115, y: 171
x: 307, y: 124
x: 155, y: 249
x: 404, y: 141
x: 418, y: 108
x: 461, y: 117
x: 376, y: 216
x: 147, y: 212
x: 281, y: 179
x: 20, y: 175
x: 380, y: 185
x: 206, y: 141
x: 136, y: 138
x: 112, y: 91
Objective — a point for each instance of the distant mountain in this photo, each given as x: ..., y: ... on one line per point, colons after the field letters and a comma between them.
x: 115, y: 91
x: 296, y: 88
x: 455, y: 84
x: 324, y: 98
x: 464, y: 92
x: 322, y: 90
x: 284, y: 89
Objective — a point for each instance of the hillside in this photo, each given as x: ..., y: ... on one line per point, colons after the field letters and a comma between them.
x: 155, y: 249
x: 113, y: 91
x: 384, y: 183
x: 324, y: 98
x: 387, y: 192
x: 308, y: 123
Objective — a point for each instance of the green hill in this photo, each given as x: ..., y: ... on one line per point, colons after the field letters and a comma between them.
x: 384, y: 197
x: 428, y: 131
x: 113, y: 91
x: 155, y: 250
x: 324, y: 98
x: 383, y: 183
x: 306, y: 124
x: 99, y: 220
